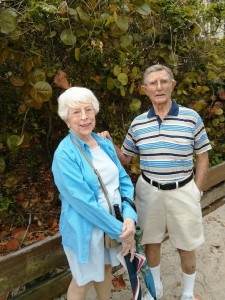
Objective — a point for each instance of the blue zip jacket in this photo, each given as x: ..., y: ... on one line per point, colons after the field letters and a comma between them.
x: 78, y: 187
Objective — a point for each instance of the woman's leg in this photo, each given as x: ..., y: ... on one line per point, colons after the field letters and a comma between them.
x: 76, y: 292
x: 103, y: 288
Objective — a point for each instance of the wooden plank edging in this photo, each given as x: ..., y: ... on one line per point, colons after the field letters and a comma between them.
x: 31, y: 262
x: 47, y: 289
x: 216, y: 174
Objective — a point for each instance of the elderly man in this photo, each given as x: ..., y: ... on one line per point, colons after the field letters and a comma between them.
x: 169, y: 189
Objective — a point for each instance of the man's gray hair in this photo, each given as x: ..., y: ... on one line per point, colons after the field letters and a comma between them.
x: 156, y: 68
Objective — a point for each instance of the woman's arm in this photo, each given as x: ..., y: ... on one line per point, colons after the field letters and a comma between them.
x: 77, y: 189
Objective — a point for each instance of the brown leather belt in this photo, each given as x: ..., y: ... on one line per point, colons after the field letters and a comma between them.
x: 167, y: 186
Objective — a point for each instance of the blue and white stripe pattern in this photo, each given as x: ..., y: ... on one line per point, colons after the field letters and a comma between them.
x: 166, y: 147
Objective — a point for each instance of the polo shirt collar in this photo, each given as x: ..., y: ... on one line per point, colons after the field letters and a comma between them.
x: 174, y: 110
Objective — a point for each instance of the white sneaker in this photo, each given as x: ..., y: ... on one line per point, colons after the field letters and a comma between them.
x: 185, y: 297
x: 159, y: 293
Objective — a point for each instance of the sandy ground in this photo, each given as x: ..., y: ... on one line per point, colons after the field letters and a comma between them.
x: 210, y: 279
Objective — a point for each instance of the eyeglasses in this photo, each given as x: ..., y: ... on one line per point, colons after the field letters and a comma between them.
x: 156, y: 83
x: 78, y: 113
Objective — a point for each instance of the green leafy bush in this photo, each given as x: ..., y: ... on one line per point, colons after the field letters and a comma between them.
x: 106, y: 46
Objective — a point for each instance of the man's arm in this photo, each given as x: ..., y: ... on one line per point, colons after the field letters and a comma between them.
x: 201, y: 169
x: 124, y: 159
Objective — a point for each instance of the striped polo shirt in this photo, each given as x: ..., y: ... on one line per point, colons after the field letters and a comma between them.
x: 166, y: 147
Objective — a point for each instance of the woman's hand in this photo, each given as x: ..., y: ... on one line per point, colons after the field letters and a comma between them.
x: 128, y: 230
x: 129, y: 247
x: 127, y: 237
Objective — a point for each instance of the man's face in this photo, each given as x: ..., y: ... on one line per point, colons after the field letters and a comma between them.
x: 158, y: 87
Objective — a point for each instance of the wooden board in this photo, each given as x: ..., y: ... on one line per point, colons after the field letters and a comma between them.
x: 29, y: 263
x: 215, y: 176
x: 48, y: 289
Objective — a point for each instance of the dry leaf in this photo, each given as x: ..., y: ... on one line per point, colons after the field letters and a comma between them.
x: 20, y: 196
x: 29, y: 242
x: 3, y: 234
x: 211, y: 218
x: 51, y: 195
x: 12, y: 245
x: 4, y: 296
x: 24, y: 204
x: 2, y: 247
x: 61, y: 81
x: 52, y: 222
x: 41, y: 237
x: 18, y: 232
x: 118, y: 283
x: 63, y: 9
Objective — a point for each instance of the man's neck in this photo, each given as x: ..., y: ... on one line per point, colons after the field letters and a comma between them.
x: 162, y: 109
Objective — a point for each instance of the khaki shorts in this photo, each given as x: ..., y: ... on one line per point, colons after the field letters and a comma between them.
x: 177, y: 211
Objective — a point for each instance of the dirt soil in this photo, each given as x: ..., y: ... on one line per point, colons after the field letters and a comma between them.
x: 30, y: 200
x: 29, y: 204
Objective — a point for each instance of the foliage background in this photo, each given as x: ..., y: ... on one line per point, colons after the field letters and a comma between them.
x: 105, y: 46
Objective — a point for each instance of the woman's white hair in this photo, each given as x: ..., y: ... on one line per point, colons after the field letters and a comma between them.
x: 73, y: 97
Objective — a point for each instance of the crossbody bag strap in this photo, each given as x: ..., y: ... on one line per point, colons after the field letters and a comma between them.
x: 96, y: 172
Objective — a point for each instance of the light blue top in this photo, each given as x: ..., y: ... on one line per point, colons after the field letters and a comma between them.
x: 78, y: 186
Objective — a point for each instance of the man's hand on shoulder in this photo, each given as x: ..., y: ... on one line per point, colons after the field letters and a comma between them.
x: 124, y: 159
x: 105, y: 134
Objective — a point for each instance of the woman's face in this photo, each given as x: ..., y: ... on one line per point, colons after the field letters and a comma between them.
x: 81, y: 119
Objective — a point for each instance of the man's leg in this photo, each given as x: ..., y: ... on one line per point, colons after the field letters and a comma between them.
x: 188, y: 261
x: 153, y: 257
x: 152, y: 252
x: 188, y: 265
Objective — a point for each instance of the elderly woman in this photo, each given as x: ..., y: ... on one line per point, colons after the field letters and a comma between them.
x: 85, y: 216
